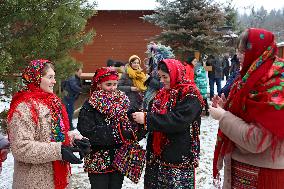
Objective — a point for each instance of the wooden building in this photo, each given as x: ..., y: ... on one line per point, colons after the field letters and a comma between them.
x: 119, y: 34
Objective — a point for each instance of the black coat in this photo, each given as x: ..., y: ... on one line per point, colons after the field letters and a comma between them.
x: 136, y: 98
x: 92, y: 125
x: 178, y: 125
x: 217, y: 68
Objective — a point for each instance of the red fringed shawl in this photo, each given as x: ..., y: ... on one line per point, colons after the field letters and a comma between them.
x: 166, y: 99
x: 257, y: 96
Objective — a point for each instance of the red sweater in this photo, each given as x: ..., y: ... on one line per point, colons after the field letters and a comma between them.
x: 189, y: 71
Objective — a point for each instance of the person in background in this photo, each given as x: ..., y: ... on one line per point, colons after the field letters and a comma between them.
x: 189, y: 66
x: 72, y: 88
x: 235, y: 67
x: 251, y: 134
x: 132, y: 82
x: 4, y: 149
x: 201, y: 82
x: 103, y: 119
x: 234, y: 74
x: 215, y: 76
x: 39, y: 135
x: 226, y: 66
x: 110, y: 63
x: 155, y: 53
x: 120, y: 68
x: 173, y: 122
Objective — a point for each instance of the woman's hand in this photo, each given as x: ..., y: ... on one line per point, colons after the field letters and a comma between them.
x: 139, y: 117
x: 74, y: 135
x: 216, y: 100
x: 84, y: 145
x: 217, y: 112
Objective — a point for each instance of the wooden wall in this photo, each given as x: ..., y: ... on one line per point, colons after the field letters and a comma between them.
x: 281, y: 51
x: 119, y: 34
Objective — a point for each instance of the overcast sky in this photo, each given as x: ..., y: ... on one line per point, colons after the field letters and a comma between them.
x: 151, y: 4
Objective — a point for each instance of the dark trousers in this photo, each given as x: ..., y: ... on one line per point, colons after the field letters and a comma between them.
x: 211, y: 86
x: 112, y: 180
x: 69, y: 104
x: 206, y: 105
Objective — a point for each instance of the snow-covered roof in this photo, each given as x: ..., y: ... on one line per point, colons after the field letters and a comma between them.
x: 281, y: 44
x: 232, y: 35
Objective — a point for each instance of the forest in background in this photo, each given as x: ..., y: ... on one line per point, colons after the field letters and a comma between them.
x: 261, y: 18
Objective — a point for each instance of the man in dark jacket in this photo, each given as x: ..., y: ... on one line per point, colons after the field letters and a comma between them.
x: 215, y: 75
x: 226, y: 66
x: 72, y: 88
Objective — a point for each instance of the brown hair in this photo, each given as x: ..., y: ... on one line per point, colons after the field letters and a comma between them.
x: 242, y: 41
x: 133, y: 58
x: 46, y: 67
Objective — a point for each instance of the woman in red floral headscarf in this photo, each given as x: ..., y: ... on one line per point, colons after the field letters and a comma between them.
x: 173, y: 124
x: 250, y: 136
x: 104, y: 120
x: 38, y: 131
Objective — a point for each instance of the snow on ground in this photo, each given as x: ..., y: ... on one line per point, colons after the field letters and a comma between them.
x: 80, y: 179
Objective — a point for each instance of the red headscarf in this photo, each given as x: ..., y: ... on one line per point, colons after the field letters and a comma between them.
x: 101, y: 75
x: 33, y: 94
x: 166, y: 99
x: 257, y: 96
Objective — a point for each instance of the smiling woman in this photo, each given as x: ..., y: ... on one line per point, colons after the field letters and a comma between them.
x: 38, y: 131
x: 48, y: 79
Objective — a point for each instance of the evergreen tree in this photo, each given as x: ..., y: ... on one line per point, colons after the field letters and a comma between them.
x: 189, y: 25
x: 231, y: 15
x: 46, y: 29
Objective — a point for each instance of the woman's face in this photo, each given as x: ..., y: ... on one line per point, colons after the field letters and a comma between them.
x: 48, y: 81
x: 240, y: 56
x: 110, y: 85
x: 165, y: 79
x: 194, y: 62
x: 135, y: 64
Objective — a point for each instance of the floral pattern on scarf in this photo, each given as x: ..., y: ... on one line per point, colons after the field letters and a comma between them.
x: 257, y: 96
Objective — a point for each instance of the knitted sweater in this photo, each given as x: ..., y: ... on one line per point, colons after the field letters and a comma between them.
x: 32, y: 150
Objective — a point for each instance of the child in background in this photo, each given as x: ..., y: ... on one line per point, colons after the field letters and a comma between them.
x: 201, y: 82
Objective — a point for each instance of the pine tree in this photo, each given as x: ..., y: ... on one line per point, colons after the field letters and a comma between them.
x: 189, y: 25
x: 46, y: 29
x: 231, y: 15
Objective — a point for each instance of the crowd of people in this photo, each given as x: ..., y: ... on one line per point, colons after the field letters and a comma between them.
x: 164, y: 105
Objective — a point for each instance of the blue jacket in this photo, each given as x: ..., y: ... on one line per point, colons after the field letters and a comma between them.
x: 226, y: 89
x: 72, y: 86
